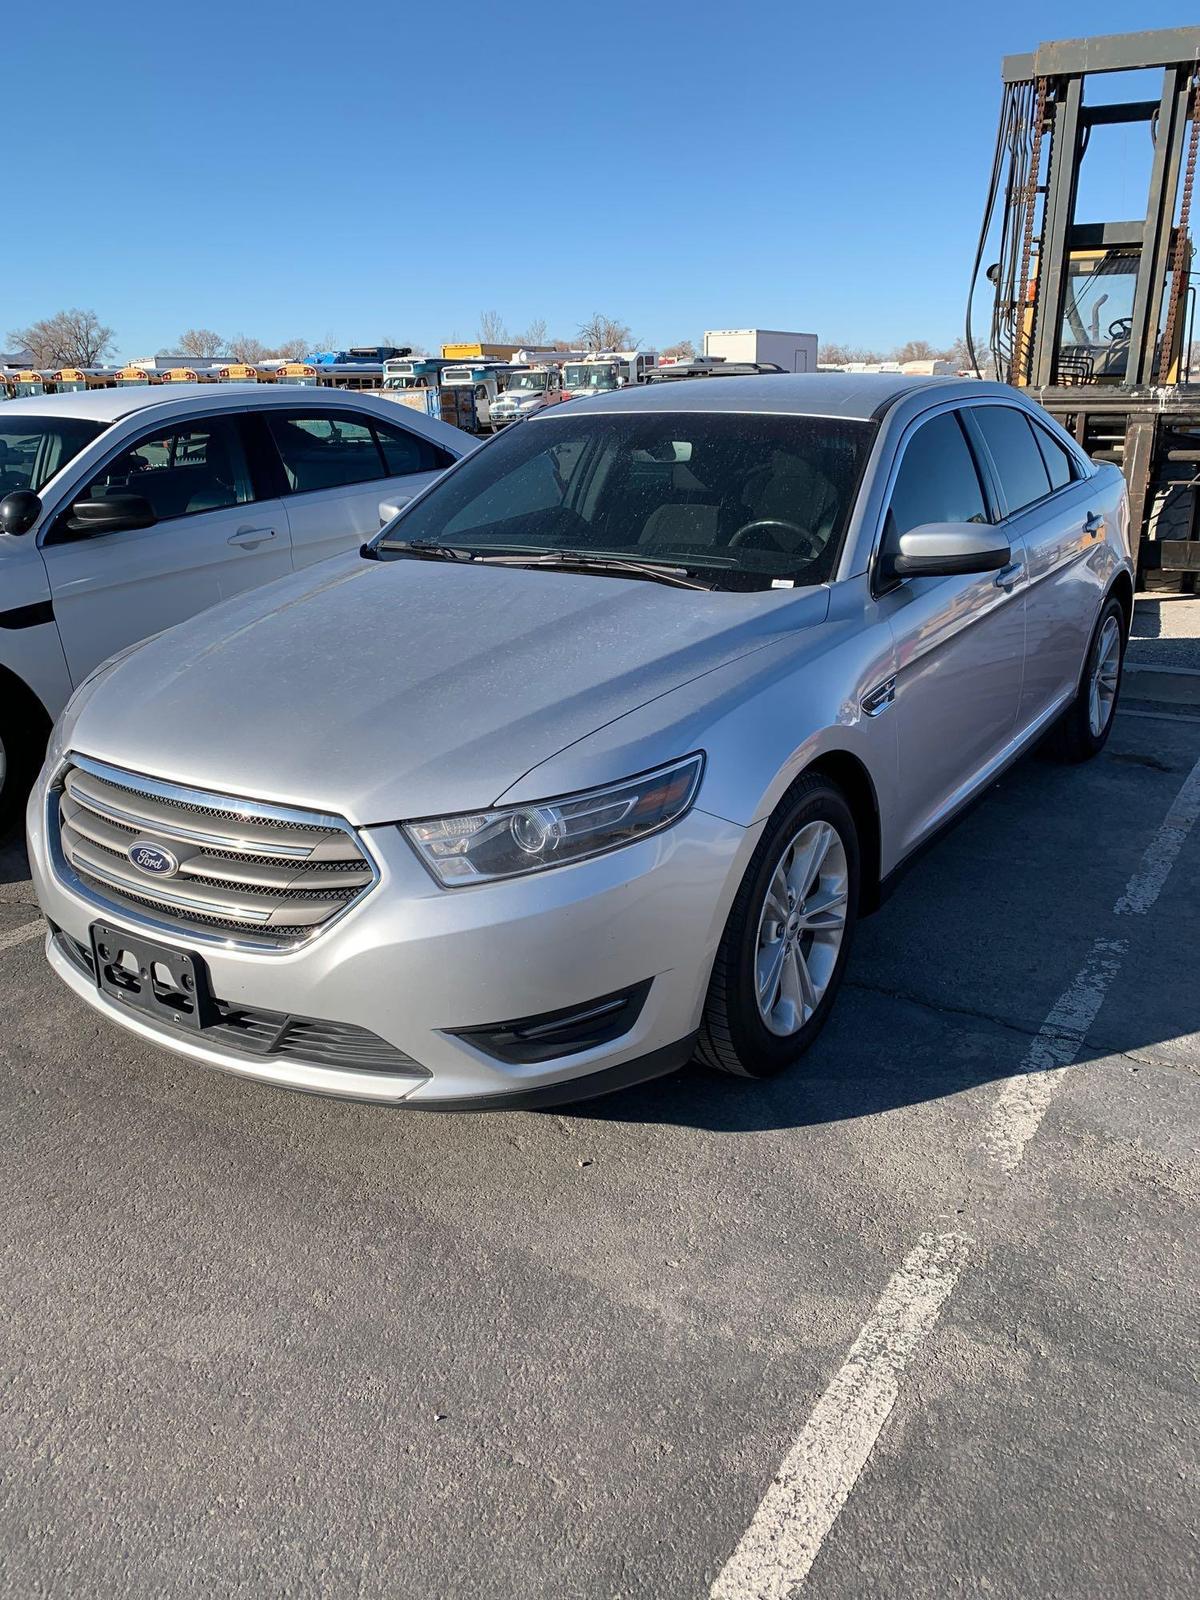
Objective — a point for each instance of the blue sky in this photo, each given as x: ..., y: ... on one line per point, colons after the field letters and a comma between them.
x: 390, y: 168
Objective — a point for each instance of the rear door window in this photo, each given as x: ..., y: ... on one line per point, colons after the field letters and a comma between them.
x: 1009, y: 437
x: 405, y: 452
x: 324, y: 450
x: 937, y: 480
x: 1060, y: 463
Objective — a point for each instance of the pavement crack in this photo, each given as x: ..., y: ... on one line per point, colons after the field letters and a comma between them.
x: 1023, y: 1029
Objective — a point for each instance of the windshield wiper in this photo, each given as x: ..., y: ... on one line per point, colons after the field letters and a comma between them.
x: 582, y: 561
x: 421, y: 549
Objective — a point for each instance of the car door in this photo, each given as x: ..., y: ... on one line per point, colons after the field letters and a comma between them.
x: 1047, y: 501
x: 211, y: 534
x: 959, y: 641
x: 337, y: 465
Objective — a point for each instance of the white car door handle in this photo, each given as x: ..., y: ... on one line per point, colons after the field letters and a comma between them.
x: 1007, y: 576
x: 250, y: 538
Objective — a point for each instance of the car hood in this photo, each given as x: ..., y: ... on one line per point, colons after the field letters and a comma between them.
x: 384, y: 690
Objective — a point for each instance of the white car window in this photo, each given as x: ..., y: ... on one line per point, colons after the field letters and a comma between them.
x: 198, y: 465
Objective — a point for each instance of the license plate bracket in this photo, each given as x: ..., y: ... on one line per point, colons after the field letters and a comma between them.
x: 169, y: 985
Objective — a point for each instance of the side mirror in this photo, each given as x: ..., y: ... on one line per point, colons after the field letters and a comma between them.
x: 389, y: 509
x: 117, y: 513
x: 19, y: 511
x: 944, y: 550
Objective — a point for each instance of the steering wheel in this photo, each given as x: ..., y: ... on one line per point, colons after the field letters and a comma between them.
x: 771, y: 526
x: 1121, y: 328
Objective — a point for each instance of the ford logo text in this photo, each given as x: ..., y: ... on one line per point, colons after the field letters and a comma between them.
x: 153, y: 858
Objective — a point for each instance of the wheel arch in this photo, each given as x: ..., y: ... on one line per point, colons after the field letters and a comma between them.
x: 849, y: 773
x: 15, y: 693
x: 1121, y: 589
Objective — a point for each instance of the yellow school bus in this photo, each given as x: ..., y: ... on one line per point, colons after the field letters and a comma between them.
x: 70, y: 380
x: 241, y: 372
x: 29, y: 382
x: 295, y: 372
x: 135, y: 375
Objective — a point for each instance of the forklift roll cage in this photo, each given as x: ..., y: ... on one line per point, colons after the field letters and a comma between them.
x: 1129, y: 400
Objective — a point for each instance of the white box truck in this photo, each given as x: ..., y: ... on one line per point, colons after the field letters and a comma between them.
x: 794, y: 352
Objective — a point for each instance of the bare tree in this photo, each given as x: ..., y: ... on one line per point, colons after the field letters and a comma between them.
x: 245, y: 349
x: 67, y: 339
x: 684, y: 350
x: 834, y: 354
x: 491, y: 328
x: 535, y: 334
x: 292, y: 350
x: 918, y: 350
x: 605, y: 333
x: 201, y: 342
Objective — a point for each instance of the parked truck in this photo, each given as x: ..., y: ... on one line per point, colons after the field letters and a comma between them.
x: 794, y: 352
x: 608, y: 369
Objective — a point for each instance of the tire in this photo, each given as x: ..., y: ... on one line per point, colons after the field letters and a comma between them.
x: 735, y: 1033
x: 1079, y: 736
x: 1172, y: 516
x: 17, y: 772
x: 24, y: 729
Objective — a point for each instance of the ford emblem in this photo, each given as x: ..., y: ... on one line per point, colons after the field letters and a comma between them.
x: 153, y: 858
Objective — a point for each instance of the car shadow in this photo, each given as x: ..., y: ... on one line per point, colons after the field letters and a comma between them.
x: 14, y: 863
x: 950, y: 982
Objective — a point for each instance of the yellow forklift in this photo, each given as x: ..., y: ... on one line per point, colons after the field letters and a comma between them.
x: 1095, y: 317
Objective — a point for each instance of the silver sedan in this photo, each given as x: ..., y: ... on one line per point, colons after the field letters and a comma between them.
x: 592, y: 760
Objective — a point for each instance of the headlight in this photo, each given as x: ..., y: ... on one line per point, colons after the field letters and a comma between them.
x: 486, y: 845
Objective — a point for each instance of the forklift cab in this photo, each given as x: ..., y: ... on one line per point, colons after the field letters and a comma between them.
x: 1099, y: 291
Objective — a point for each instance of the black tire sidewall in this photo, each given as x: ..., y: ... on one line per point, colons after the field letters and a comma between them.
x: 19, y: 773
x: 763, y: 1054
x: 1084, y: 743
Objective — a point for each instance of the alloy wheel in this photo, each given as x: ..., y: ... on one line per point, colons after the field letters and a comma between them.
x: 801, y: 927
x: 1105, y: 674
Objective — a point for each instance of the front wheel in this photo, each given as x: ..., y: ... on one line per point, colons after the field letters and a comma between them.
x: 784, y: 949
x: 1088, y: 720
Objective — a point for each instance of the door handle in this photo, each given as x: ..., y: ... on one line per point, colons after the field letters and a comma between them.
x: 250, y: 538
x: 1092, y: 524
x: 1007, y: 576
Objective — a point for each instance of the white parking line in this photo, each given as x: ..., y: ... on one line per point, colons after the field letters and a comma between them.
x: 819, y: 1472
x: 1023, y: 1100
x: 27, y: 930
x: 1144, y: 887
x: 823, y: 1465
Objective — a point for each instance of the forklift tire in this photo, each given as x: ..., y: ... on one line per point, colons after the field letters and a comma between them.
x: 1172, y: 516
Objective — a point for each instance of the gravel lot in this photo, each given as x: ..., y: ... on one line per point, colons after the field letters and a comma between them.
x: 258, y: 1343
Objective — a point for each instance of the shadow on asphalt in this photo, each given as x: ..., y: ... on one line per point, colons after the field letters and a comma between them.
x: 14, y: 863
x: 700, y: 1098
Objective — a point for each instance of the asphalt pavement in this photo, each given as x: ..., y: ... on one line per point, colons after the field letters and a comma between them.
x: 917, y: 1321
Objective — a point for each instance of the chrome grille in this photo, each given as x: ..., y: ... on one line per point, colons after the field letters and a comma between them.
x: 265, y: 875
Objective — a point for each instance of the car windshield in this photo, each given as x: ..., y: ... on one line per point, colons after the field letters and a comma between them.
x: 737, y: 498
x: 528, y: 380
x: 33, y: 449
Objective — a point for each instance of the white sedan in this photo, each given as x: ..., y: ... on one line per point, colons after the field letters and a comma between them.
x: 124, y: 511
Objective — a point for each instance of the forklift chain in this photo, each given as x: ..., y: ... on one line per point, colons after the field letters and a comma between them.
x: 1178, y: 263
x: 1031, y: 194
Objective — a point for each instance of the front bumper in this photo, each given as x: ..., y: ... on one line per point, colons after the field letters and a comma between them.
x: 415, y: 964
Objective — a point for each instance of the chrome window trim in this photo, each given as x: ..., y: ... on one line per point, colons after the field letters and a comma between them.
x: 160, y: 789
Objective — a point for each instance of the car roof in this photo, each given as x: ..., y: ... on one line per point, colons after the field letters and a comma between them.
x: 110, y: 405
x: 860, y: 395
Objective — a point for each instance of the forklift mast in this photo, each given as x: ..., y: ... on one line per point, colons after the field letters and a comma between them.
x: 1095, y: 317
